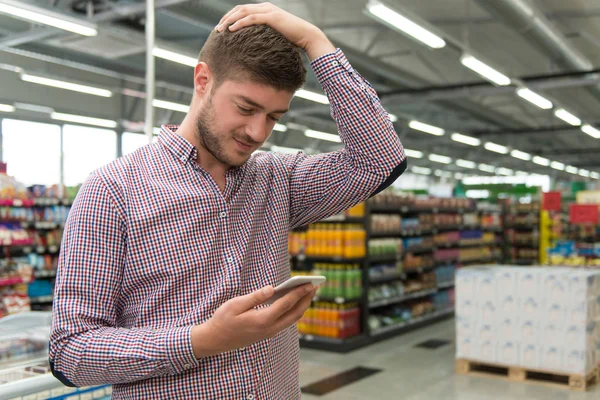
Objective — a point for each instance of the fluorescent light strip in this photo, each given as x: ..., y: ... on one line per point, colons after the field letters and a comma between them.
x: 421, y: 170
x: 106, y: 123
x: 322, y: 136
x: 535, y: 98
x: 442, y: 174
x: 7, y: 108
x: 466, y: 164
x: 504, y: 171
x: 440, y: 159
x: 541, y: 161
x: 584, y: 172
x: 595, y: 175
x: 497, y: 148
x: 287, y: 150
x: 175, y: 57
x: 49, y: 18
x: 557, y: 165
x: 590, y: 130
x: 521, y: 155
x: 484, y: 70
x: 169, y: 105
x: 571, y: 169
x: 280, y: 128
x: 459, y: 175
x: 471, y: 141
x: 487, y: 168
x: 405, y: 25
x: 393, y: 117
x: 567, y: 117
x: 521, y: 173
x: 413, y: 153
x: 420, y: 126
x: 75, y: 87
x: 312, y: 96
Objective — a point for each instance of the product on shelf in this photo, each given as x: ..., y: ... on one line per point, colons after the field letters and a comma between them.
x: 446, y: 238
x: 491, y: 221
x: 14, y: 299
x: 385, y: 270
x: 390, y: 199
x: 331, y: 320
x: 12, y: 234
x: 420, y: 243
x: 343, y: 280
x: 542, y: 318
x: 329, y: 240
x: 384, y: 223
x: 385, y: 247
x: 445, y: 274
x: 414, y: 261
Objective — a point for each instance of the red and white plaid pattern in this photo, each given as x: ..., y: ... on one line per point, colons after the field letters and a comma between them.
x: 152, y: 247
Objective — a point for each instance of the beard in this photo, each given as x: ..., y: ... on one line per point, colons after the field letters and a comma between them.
x: 213, y: 142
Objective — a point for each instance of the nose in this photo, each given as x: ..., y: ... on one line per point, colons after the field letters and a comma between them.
x: 257, y: 128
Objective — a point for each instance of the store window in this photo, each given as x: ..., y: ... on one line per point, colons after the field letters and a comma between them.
x: 131, y: 141
x: 31, y: 151
x: 85, y: 150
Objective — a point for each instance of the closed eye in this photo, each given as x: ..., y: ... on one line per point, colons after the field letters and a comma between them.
x: 246, y: 111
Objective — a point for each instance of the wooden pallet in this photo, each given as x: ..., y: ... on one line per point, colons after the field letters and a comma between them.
x: 519, y: 374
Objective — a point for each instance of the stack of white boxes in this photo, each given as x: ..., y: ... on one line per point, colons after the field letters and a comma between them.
x: 540, y: 318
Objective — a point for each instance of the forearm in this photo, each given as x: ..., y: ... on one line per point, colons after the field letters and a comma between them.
x: 119, y: 355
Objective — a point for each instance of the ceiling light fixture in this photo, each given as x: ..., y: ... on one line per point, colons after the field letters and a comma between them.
x: 420, y: 126
x: 75, y: 87
x: 440, y: 159
x: 571, y: 169
x: 584, y: 172
x: 7, y: 108
x: 557, y: 165
x: 534, y: 98
x: 413, y: 153
x: 541, y: 161
x: 466, y: 164
x: 421, y: 170
x: 521, y: 155
x: 169, y: 105
x: 471, y: 141
x: 175, y: 57
x: 590, y: 130
x: 312, y: 96
x: 484, y: 70
x: 322, y: 136
x: 497, y: 148
x: 393, y: 117
x: 504, y: 171
x: 567, y: 117
x: 487, y: 168
x: 399, y: 22
x: 595, y: 175
x: 46, y: 17
x: 280, y: 128
x: 287, y: 150
x: 105, y: 123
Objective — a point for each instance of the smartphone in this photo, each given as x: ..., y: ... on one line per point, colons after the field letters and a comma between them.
x: 294, y: 282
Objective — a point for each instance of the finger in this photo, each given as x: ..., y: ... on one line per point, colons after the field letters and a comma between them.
x: 252, y: 19
x: 229, y: 13
x: 294, y: 314
x: 241, y: 12
x: 287, y: 302
x: 241, y: 304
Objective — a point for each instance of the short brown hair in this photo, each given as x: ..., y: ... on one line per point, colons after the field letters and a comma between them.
x: 258, y: 53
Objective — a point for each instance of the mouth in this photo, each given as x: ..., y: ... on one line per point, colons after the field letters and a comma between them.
x: 243, y: 146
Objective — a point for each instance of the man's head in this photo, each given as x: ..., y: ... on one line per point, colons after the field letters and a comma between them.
x: 243, y: 84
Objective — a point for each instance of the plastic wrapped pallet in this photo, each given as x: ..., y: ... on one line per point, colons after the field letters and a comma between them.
x: 538, y: 318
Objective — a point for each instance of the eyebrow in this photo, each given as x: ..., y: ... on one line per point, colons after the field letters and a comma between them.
x: 255, y: 104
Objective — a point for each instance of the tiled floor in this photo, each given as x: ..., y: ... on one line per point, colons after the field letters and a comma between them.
x: 419, y: 374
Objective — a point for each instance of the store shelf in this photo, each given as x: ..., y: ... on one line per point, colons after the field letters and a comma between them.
x: 459, y: 245
x: 445, y: 228
x: 384, y: 279
x: 333, y: 344
x: 411, y: 210
x: 389, y: 234
x: 491, y: 228
x: 12, y: 281
x: 391, y: 258
x: 419, y: 250
x: 445, y: 285
x: 45, y: 274
x: 328, y: 259
x: 400, y: 299
x: 524, y: 227
x: 338, y: 299
x: 419, y: 270
x: 16, y: 203
x: 416, y: 232
x: 344, y: 218
x: 416, y: 321
x: 41, y: 299
x: 41, y: 225
x: 480, y: 260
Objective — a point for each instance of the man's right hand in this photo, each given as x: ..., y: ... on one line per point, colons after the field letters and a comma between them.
x: 237, y: 323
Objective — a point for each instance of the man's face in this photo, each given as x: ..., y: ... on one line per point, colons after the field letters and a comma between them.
x: 237, y: 118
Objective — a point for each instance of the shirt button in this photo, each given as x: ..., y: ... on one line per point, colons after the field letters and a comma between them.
x: 250, y: 397
x: 242, y: 348
x: 223, y: 214
x: 187, y: 366
x: 230, y: 259
x: 335, y: 63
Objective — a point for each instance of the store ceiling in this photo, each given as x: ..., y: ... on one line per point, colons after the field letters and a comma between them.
x: 414, y: 81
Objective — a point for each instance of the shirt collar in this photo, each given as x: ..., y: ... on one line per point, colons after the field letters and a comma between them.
x: 181, y: 148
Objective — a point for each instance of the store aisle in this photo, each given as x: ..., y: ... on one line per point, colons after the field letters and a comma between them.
x: 411, y: 373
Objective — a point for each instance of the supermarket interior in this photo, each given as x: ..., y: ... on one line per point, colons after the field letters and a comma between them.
x: 474, y: 275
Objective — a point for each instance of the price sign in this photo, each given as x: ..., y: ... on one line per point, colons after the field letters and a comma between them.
x: 583, y: 213
x: 551, y: 201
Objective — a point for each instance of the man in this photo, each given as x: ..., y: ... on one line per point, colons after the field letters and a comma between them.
x: 169, y: 253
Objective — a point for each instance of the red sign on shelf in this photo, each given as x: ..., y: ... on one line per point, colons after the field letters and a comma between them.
x: 551, y: 201
x: 583, y: 213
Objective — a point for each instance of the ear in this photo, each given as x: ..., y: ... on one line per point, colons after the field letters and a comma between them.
x: 202, y: 79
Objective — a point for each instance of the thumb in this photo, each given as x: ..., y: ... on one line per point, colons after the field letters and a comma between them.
x: 249, y: 301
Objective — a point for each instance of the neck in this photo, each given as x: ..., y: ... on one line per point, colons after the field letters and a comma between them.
x: 188, y: 130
